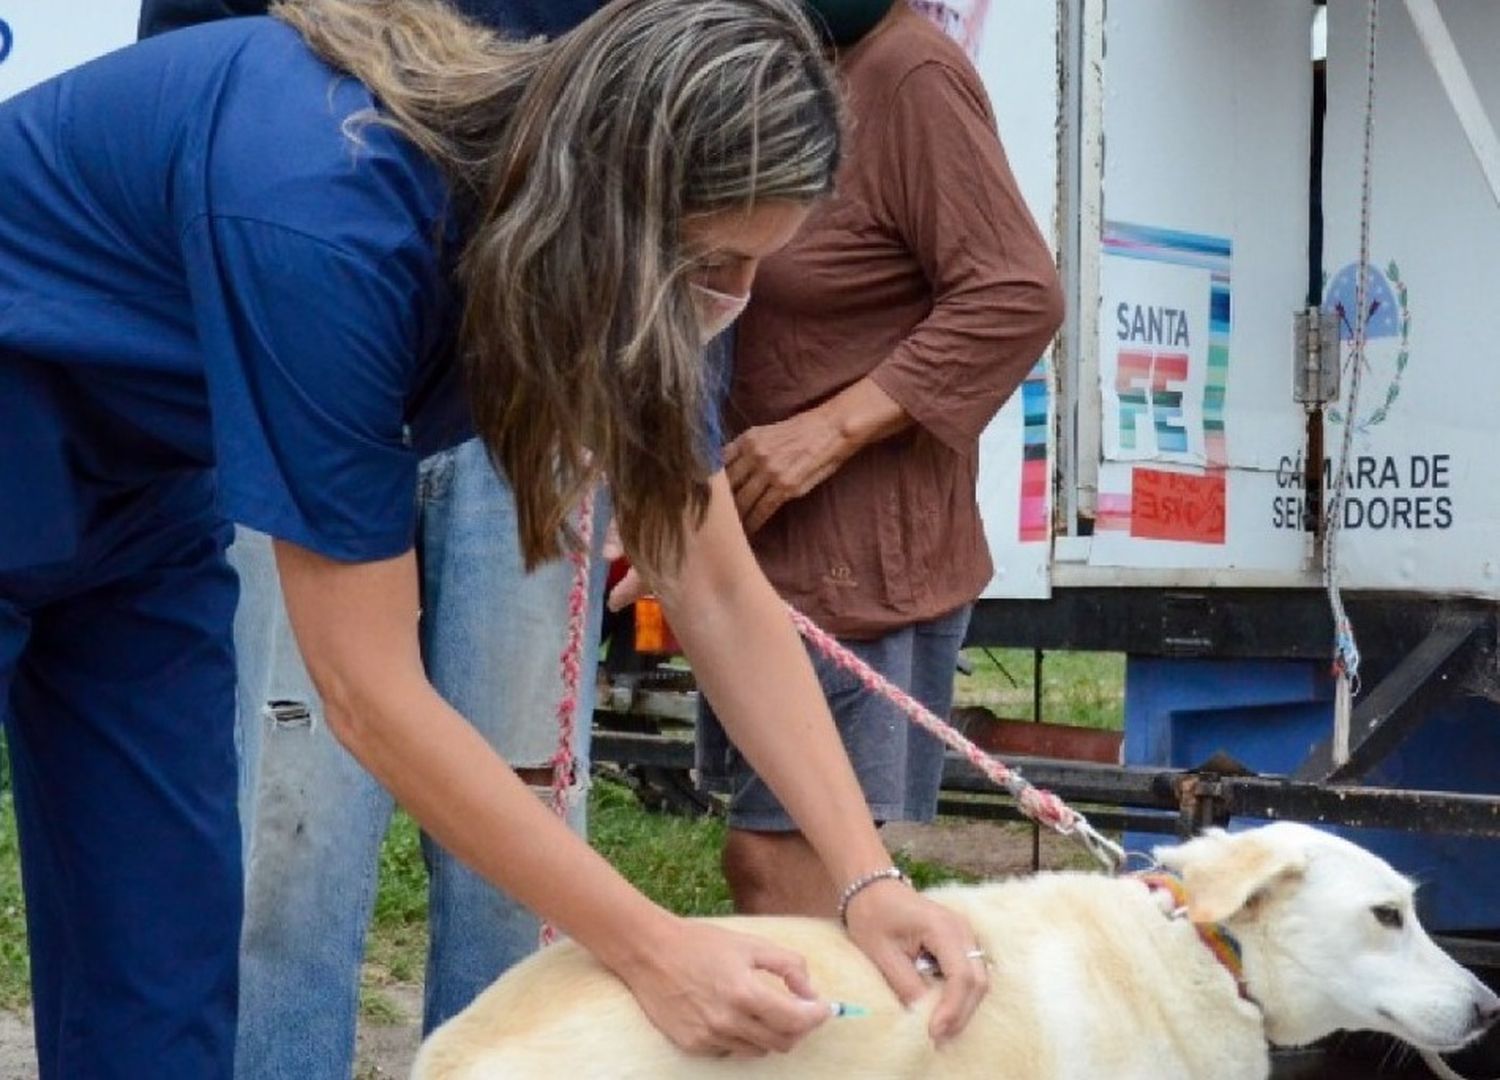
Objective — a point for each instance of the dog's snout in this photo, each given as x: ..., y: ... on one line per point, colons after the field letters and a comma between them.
x: 1487, y: 1010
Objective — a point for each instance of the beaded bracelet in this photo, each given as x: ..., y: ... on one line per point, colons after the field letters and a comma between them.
x: 860, y: 884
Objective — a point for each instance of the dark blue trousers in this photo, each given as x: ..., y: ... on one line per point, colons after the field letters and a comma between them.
x: 117, y: 690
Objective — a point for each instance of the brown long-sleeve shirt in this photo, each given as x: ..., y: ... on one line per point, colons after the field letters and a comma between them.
x: 925, y: 272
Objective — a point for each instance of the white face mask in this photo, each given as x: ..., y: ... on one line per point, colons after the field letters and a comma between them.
x: 716, y: 310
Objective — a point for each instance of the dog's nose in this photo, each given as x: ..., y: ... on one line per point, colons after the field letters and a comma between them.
x: 1487, y: 1011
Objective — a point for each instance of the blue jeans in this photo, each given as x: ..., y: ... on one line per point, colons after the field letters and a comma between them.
x: 314, y: 819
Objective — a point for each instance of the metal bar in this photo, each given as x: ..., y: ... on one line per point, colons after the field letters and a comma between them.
x: 1066, y: 230
x: 1269, y: 797
x: 1459, y: 87
x: 1036, y: 718
x: 1362, y: 807
x: 645, y: 701
x: 1471, y: 951
x: 1002, y: 809
x: 626, y: 748
x: 1201, y: 804
x: 1228, y: 623
x: 1391, y: 712
x: 1084, y: 427
x: 1077, y: 781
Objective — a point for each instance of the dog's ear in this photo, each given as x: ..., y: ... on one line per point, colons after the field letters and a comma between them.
x: 1223, y: 873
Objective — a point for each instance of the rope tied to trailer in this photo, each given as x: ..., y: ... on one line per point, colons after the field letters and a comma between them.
x: 1345, y: 646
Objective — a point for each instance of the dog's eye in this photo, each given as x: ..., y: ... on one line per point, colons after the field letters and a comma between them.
x: 1387, y: 915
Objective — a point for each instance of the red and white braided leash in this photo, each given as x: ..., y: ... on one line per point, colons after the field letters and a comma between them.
x: 1039, y: 805
x: 564, y: 760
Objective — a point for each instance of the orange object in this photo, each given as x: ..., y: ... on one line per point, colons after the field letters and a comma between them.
x: 1177, y: 506
x: 652, y: 632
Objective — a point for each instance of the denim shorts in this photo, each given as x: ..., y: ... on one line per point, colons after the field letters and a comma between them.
x: 899, y: 766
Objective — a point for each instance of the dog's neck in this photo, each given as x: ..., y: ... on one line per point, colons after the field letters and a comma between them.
x: 1224, y: 946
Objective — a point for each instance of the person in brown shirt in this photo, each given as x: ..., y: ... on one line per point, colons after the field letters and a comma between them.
x: 875, y: 349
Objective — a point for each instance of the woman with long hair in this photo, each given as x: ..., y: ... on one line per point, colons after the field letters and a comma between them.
x: 251, y: 273
x: 313, y: 820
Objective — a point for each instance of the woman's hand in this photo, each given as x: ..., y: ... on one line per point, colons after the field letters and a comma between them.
x: 708, y: 992
x: 894, y: 924
x: 771, y: 465
x: 632, y: 586
x: 627, y: 590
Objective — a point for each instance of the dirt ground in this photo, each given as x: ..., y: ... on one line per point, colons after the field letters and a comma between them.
x: 17, y: 1055
x: 385, y: 1051
x: 984, y: 849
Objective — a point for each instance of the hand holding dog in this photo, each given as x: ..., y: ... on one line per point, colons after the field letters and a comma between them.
x: 893, y: 923
x: 707, y: 992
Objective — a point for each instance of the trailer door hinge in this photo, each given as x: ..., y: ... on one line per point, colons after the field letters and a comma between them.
x: 1315, y: 361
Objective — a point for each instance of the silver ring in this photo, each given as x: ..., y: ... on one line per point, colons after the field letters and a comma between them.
x: 974, y: 954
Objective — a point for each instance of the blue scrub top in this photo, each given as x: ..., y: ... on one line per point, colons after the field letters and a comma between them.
x: 200, y: 268
x: 525, y: 17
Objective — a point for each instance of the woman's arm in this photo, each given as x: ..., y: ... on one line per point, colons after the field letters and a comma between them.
x: 749, y: 661
x: 356, y: 624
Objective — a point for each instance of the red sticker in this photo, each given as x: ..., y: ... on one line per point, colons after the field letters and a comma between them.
x: 1177, y: 506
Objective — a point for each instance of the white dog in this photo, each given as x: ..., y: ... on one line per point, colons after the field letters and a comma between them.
x: 1092, y: 977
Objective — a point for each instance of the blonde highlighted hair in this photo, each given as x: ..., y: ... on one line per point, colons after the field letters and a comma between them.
x: 576, y: 163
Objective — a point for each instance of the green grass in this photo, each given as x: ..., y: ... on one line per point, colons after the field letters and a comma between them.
x: 672, y: 859
x: 14, y: 989
x: 1078, y: 688
x: 396, y: 948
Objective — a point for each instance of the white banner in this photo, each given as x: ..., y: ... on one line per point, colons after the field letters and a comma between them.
x: 1423, y: 505
x: 41, y: 38
x: 1202, y: 261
